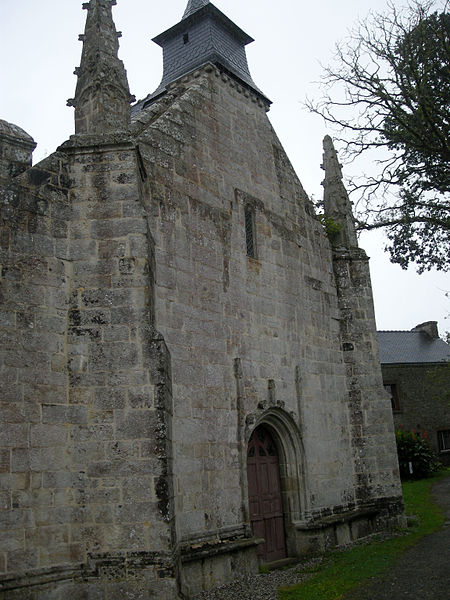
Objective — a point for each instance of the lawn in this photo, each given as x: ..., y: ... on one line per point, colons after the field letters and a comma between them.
x: 343, y: 571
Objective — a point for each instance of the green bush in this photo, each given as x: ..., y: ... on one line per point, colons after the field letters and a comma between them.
x: 415, y: 455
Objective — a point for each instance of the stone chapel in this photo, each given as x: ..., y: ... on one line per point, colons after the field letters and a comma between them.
x: 189, y: 370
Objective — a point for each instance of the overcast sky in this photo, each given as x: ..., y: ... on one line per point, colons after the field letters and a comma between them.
x: 39, y: 48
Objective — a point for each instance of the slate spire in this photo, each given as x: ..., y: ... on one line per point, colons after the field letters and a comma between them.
x: 336, y: 201
x: 102, y: 96
x: 193, y: 6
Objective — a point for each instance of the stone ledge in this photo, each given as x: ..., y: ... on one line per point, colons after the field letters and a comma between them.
x: 39, y: 577
x: 331, y: 520
x: 96, y: 566
x: 86, y: 144
x: 215, y: 548
x: 370, y: 510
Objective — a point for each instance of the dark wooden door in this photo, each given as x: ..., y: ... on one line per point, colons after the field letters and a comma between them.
x: 264, y: 491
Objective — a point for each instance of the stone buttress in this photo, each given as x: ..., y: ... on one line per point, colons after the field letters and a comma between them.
x: 371, y: 420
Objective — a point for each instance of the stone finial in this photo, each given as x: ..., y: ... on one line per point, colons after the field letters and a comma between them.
x: 193, y: 6
x: 102, y: 96
x: 337, y: 205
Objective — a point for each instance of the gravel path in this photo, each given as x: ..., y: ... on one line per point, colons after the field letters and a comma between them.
x: 263, y: 586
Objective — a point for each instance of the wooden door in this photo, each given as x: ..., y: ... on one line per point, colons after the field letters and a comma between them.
x: 264, y: 490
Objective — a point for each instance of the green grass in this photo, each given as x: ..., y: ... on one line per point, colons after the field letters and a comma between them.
x: 342, y: 571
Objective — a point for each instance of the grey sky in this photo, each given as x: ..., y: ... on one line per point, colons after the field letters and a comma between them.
x: 40, y: 49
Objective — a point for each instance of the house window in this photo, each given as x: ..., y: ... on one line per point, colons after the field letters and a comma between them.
x: 250, y: 237
x: 444, y: 440
x: 186, y: 38
x: 391, y: 389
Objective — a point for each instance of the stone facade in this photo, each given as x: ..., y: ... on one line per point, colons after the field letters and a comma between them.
x: 416, y: 368
x: 423, y: 400
x: 141, y: 346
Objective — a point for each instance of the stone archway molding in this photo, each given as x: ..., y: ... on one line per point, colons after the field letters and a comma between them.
x: 287, y: 436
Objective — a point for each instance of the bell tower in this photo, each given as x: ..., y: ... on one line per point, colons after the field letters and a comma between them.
x: 204, y: 35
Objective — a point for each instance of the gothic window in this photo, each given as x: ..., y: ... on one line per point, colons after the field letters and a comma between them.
x: 250, y: 237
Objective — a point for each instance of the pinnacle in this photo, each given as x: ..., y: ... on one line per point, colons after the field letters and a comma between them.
x: 102, y: 97
x: 193, y: 6
x: 331, y: 164
x: 336, y: 201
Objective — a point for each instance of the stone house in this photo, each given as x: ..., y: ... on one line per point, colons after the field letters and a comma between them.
x: 416, y: 374
x: 190, y: 378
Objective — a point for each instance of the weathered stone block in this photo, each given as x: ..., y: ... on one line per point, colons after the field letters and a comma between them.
x: 136, y: 424
x: 12, y: 540
x: 113, y: 356
x: 47, y: 459
x: 16, y: 519
x: 141, y: 397
x: 47, y: 435
x: 91, y: 433
x: 117, y: 228
x: 109, y: 399
x: 13, y: 435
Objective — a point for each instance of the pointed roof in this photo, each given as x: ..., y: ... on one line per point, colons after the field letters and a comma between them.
x: 204, y: 35
x: 336, y: 202
x: 193, y: 6
x: 102, y: 96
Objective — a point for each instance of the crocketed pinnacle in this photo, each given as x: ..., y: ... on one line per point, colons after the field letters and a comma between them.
x: 337, y: 205
x: 102, y: 96
x: 193, y: 6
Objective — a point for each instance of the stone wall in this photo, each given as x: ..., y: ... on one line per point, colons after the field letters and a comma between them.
x: 86, y: 416
x: 209, y: 151
x: 423, y: 393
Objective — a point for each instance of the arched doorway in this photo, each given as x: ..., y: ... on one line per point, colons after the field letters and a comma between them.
x: 264, y: 491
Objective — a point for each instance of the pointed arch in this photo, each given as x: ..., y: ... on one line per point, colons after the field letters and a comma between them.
x: 294, y: 488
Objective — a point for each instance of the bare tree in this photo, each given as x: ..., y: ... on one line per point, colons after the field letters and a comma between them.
x: 388, y: 92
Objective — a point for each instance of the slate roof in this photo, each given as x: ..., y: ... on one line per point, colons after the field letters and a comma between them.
x: 403, y: 347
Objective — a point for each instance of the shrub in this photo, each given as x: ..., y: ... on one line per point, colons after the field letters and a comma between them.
x: 415, y: 455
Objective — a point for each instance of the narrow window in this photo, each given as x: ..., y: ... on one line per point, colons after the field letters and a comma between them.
x: 391, y: 389
x: 186, y: 38
x: 444, y: 440
x: 250, y: 231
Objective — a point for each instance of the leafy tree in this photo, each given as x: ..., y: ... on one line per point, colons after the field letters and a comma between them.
x: 389, y: 92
